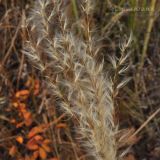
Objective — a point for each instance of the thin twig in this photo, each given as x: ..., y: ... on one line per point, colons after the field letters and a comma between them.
x: 12, y: 44
x: 146, y: 122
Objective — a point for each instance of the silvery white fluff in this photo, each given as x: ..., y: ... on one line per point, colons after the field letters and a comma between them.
x: 76, y: 78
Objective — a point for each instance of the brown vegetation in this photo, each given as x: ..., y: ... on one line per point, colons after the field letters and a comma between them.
x: 73, y: 85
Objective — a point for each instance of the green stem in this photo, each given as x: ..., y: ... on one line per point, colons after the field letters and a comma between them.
x: 147, y: 36
x: 74, y: 5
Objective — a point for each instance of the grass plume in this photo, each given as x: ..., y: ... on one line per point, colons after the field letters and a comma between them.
x: 69, y: 62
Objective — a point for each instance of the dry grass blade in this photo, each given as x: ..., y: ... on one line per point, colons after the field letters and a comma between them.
x: 146, y: 122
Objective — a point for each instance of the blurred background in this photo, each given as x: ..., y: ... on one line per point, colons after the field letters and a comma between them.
x: 25, y: 102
